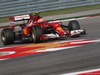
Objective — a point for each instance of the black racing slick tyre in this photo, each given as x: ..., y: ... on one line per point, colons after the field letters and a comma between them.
x: 7, y: 36
x: 73, y: 25
x: 36, y: 34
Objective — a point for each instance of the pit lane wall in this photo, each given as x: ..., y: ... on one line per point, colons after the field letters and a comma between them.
x: 19, y: 7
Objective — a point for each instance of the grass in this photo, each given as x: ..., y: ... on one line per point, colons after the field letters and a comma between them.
x: 4, y: 19
x: 69, y: 10
x: 62, y: 11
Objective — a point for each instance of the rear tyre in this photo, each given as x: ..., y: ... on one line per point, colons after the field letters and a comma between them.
x: 36, y: 34
x: 7, y: 36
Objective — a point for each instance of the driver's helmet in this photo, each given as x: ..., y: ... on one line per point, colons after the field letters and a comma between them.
x: 40, y: 20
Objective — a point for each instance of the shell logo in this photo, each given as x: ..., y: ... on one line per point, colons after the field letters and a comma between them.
x: 59, y: 28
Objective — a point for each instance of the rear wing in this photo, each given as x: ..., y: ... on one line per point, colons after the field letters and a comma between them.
x: 19, y: 18
x: 13, y: 19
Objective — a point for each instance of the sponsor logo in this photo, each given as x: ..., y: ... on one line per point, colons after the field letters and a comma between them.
x: 22, y: 17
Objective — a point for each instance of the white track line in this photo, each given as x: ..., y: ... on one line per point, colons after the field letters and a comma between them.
x: 56, y: 49
x: 80, y: 72
x: 98, y: 40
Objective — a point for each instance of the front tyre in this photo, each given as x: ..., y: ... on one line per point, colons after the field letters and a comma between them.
x: 73, y: 25
x: 36, y: 34
x: 7, y: 36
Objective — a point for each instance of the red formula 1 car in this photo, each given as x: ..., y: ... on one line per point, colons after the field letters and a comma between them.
x: 38, y: 30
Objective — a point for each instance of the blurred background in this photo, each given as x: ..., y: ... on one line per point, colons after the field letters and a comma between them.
x: 19, y: 7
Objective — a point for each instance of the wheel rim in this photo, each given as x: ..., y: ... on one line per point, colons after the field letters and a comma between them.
x: 3, y: 38
x: 33, y: 36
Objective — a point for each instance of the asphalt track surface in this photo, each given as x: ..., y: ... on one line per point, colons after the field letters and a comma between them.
x: 58, y: 62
